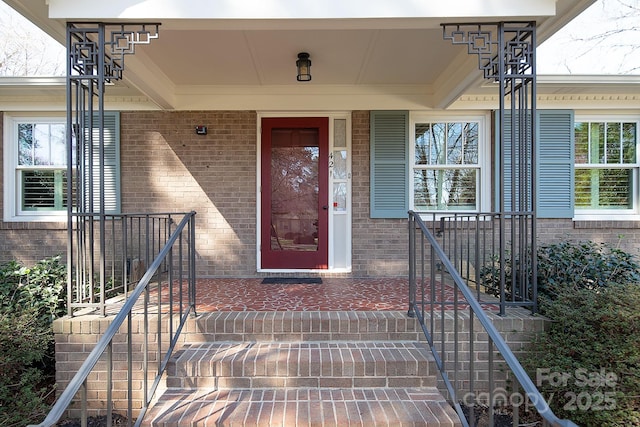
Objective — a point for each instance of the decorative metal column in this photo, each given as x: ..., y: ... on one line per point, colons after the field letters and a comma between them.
x: 506, y: 56
x: 95, y: 58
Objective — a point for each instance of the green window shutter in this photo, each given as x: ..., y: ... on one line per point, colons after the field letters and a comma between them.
x: 111, y: 164
x: 507, y: 150
x: 555, y: 164
x: 554, y: 161
x: 389, y: 164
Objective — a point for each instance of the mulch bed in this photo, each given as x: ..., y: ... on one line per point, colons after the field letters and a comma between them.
x: 99, y: 421
x: 502, y: 417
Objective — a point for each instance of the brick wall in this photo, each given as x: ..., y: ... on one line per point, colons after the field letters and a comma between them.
x: 166, y: 166
x: 30, y: 242
x: 380, y: 246
x: 76, y: 337
x: 621, y: 234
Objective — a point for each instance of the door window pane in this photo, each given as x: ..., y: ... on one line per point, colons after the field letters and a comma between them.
x: 294, y: 189
x: 339, y: 164
x: 340, y: 133
x: 340, y: 197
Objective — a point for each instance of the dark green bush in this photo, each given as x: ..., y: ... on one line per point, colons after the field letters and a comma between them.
x: 25, y: 363
x: 587, y: 364
x: 583, y: 265
x: 30, y: 298
x: 41, y: 287
x: 567, y: 265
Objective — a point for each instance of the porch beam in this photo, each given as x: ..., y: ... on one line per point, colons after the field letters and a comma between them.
x: 330, y: 9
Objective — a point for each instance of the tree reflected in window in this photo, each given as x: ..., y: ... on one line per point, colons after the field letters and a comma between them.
x: 294, y: 189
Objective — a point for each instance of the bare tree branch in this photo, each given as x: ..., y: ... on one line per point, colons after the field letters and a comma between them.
x: 605, y: 39
x: 25, y: 50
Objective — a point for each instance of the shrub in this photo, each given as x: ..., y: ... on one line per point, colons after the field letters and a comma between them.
x: 41, y: 287
x: 587, y: 364
x: 25, y: 344
x: 583, y: 265
x: 29, y: 300
x: 567, y: 265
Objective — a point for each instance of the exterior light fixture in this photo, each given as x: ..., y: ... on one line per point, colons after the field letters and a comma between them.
x: 304, y: 67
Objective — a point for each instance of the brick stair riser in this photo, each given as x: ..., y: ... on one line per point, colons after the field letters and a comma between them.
x: 233, y: 365
x: 301, y: 326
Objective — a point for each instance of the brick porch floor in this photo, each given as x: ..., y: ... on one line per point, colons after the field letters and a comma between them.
x: 333, y: 294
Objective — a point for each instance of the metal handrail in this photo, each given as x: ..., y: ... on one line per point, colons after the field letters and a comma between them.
x: 105, y: 342
x: 475, y: 309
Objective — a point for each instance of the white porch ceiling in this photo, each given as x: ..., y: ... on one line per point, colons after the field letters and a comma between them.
x: 389, y: 55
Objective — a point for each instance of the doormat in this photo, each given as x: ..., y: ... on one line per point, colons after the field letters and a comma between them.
x: 292, y: 281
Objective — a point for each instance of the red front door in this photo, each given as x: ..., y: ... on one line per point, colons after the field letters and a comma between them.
x: 294, y: 211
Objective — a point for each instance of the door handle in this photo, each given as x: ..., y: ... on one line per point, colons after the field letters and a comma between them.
x: 325, y: 207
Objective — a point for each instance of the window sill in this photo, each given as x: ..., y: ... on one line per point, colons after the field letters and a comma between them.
x: 57, y: 218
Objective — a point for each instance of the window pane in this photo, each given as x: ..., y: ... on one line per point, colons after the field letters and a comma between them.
x: 614, y: 149
x: 44, y: 190
x: 445, y: 189
x: 596, y: 143
x: 340, y: 133
x: 454, y: 144
x: 340, y: 164
x: 446, y: 143
x: 294, y: 189
x: 471, y: 144
x: 340, y: 197
x: 41, y: 144
x: 424, y: 153
x: 581, y: 135
x: 629, y: 135
x: 603, y: 189
x: 25, y: 144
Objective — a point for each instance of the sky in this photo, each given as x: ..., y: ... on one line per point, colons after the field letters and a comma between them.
x: 25, y: 49
x: 578, y: 48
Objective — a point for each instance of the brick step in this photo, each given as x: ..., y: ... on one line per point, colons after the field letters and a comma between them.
x: 277, y: 326
x: 303, y: 407
x: 301, y: 369
x: 308, y: 364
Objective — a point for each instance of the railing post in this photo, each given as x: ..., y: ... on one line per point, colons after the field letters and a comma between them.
x: 192, y: 263
x: 109, y: 384
x: 502, y: 263
x: 412, y: 266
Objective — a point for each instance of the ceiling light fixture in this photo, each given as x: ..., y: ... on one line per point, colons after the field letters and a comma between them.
x: 304, y: 67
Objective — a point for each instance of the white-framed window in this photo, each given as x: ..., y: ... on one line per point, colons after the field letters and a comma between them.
x: 607, y: 167
x: 35, y: 166
x: 447, y: 164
